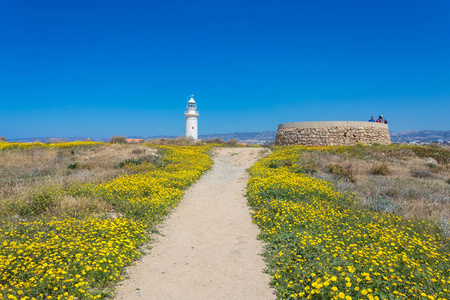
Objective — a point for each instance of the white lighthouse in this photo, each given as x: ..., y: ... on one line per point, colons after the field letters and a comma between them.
x: 191, y: 119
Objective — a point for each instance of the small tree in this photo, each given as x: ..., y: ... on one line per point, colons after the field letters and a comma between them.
x: 118, y: 139
x: 232, y: 142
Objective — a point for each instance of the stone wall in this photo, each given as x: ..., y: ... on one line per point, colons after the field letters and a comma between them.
x: 332, y: 133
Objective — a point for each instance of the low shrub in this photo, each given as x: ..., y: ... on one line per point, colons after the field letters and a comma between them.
x: 64, y: 152
x: 118, y: 140
x: 129, y: 161
x: 214, y: 141
x: 137, y: 151
x: 156, y: 160
x: 149, y: 159
x: 308, y: 165
x: 232, y: 142
x: 423, y: 174
x: 345, y: 172
x: 445, y: 228
x: 72, y: 166
x: 275, y: 164
x: 441, y: 155
x: 36, y: 204
x: 434, y: 168
x: 384, y: 205
x: 77, y: 165
x: 382, y: 170
x: 431, y: 165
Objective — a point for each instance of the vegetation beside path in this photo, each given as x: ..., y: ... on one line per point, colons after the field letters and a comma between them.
x: 321, y: 243
x: 53, y: 247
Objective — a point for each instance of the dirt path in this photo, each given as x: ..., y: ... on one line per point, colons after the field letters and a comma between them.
x: 208, y: 248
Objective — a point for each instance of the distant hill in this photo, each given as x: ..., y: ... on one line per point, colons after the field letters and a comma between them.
x: 265, y: 137
x: 420, y: 135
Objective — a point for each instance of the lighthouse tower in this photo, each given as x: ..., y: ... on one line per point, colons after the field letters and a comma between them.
x: 191, y: 119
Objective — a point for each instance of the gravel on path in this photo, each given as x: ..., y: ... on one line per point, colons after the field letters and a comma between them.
x: 208, y: 247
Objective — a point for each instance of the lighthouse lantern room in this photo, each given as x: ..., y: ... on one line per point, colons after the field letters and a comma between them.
x: 192, y: 119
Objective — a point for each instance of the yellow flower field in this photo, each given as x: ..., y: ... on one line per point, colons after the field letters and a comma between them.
x: 8, y: 145
x: 67, y: 258
x: 319, y: 246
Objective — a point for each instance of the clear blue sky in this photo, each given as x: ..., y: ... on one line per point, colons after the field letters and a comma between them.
x: 102, y: 68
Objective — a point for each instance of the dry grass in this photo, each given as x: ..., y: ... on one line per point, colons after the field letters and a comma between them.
x: 381, y: 169
x: 179, y: 141
x: 188, y: 141
x: 395, y: 182
x: 27, y: 174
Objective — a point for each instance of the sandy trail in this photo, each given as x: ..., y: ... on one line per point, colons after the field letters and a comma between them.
x: 208, y: 247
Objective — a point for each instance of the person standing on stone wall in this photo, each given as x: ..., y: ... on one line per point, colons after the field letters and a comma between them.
x: 381, y: 120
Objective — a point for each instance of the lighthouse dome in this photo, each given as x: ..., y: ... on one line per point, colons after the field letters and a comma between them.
x: 191, y: 104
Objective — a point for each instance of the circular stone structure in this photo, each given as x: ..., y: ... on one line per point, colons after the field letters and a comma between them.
x: 332, y: 133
